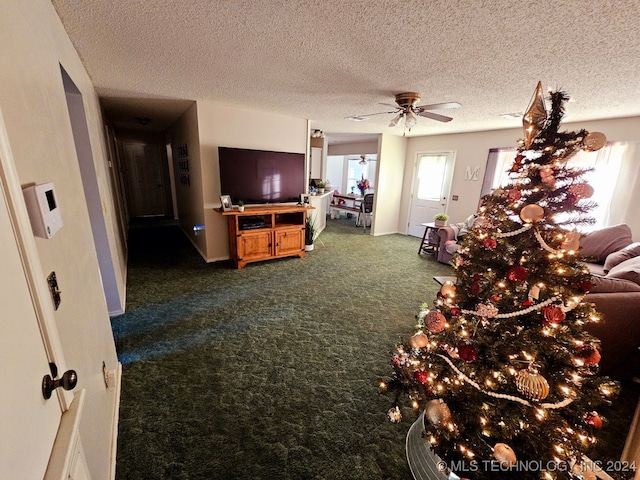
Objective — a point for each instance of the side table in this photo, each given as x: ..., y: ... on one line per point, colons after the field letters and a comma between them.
x: 430, y: 240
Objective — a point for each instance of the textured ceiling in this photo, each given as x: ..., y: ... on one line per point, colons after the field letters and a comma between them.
x: 326, y: 60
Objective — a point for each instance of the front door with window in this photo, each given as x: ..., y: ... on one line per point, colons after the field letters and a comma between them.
x: 431, y: 187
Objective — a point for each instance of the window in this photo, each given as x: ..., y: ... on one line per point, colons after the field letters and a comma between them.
x: 606, y: 164
x: 356, y: 171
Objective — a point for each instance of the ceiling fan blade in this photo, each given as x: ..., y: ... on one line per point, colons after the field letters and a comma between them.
x: 435, y: 116
x: 436, y: 106
x: 372, y: 114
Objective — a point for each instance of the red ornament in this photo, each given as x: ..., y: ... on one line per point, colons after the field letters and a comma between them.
x: 489, y: 243
x: 467, y: 353
x: 593, y: 419
x: 514, y: 195
x: 517, y: 273
x: 589, y: 355
x: 527, y: 303
x: 552, y: 314
x: 585, y: 286
x: 420, y: 376
x: 475, y: 288
x: 455, y: 312
x: 435, y: 321
x: 496, y: 298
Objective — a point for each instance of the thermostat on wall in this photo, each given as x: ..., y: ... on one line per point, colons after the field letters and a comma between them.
x: 43, y: 209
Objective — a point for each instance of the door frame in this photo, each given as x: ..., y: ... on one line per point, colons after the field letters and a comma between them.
x: 448, y: 179
x: 36, y: 279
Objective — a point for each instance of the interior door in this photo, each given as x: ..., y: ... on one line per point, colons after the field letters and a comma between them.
x: 145, y: 180
x: 431, y: 188
x: 29, y: 423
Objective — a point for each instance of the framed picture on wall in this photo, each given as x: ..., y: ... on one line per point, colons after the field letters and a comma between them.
x: 225, y: 203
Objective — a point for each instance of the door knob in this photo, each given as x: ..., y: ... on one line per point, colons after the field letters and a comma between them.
x: 68, y: 381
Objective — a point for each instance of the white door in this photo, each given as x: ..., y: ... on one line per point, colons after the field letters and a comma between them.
x: 431, y: 187
x: 28, y: 422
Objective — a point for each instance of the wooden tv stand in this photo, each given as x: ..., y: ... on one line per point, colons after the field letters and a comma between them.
x: 265, y: 232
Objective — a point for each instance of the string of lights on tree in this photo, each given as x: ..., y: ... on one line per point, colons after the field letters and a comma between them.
x: 501, y: 365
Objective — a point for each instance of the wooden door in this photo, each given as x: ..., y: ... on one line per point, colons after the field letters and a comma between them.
x: 147, y: 188
x: 431, y: 187
x: 255, y: 246
x: 289, y: 241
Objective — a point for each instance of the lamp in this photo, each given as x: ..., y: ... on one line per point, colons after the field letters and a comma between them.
x: 396, y: 120
x: 364, y: 160
x: 410, y: 120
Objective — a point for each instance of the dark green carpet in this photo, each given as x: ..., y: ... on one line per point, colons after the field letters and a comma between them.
x: 270, y: 372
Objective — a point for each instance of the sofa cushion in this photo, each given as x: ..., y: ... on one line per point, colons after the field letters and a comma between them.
x: 610, y: 285
x: 599, y: 244
x: 627, y: 270
x: 620, y: 256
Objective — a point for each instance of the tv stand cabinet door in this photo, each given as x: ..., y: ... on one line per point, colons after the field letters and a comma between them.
x: 254, y: 246
x: 289, y: 242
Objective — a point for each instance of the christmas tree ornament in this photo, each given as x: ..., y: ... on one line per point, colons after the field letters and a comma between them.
x: 588, y: 355
x: 571, y: 241
x: 394, y: 414
x: 487, y: 310
x: 534, y: 292
x: 514, y: 195
x: 467, y: 353
x: 455, y: 312
x: 532, y: 213
x: 593, y: 419
x: 420, y: 376
x: 581, y: 190
x: 535, y: 117
x: 532, y: 385
x: 475, y: 288
x: 552, y: 314
x: 419, y: 340
x: 517, y: 273
x: 489, y: 243
x: 504, y: 454
x: 435, y: 321
x: 437, y: 412
x: 448, y: 290
x: 594, y: 141
x: 585, y: 287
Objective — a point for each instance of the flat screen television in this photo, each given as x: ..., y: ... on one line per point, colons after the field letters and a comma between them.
x: 259, y: 176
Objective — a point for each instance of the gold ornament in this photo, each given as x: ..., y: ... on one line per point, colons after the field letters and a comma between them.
x: 535, y: 116
x: 532, y: 213
x: 571, y: 241
x: 419, y: 340
x: 532, y: 385
x: 437, y: 412
x: 594, y: 141
x: 504, y: 454
x: 448, y: 290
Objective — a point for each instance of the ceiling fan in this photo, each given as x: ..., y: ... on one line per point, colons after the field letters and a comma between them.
x: 407, y: 107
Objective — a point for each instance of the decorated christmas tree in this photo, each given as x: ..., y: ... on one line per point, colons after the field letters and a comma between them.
x: 501, y: 365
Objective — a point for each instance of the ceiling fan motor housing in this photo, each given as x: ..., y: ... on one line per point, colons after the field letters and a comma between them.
x: 408, y: 99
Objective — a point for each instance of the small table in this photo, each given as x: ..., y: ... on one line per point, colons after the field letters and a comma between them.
x: 430, y: 240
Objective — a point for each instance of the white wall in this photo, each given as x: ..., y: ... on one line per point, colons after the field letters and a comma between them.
x: 472, y: 150
x: 34, y: 45
x: 226, y: 126
x: 389, y: 184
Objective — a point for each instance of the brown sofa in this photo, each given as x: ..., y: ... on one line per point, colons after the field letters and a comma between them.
x: 614, y: 262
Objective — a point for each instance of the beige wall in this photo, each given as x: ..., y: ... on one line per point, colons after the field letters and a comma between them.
x: 389, y: 183
x: 472, y: 150
x: 207, y: 126
x: 34, y: 45
x: 353, y: 148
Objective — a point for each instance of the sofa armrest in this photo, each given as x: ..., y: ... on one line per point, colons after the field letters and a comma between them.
x: 446, y: 234
x: 619, y: 332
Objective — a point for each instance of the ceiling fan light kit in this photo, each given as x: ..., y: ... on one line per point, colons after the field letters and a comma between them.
x: 407, y: 108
